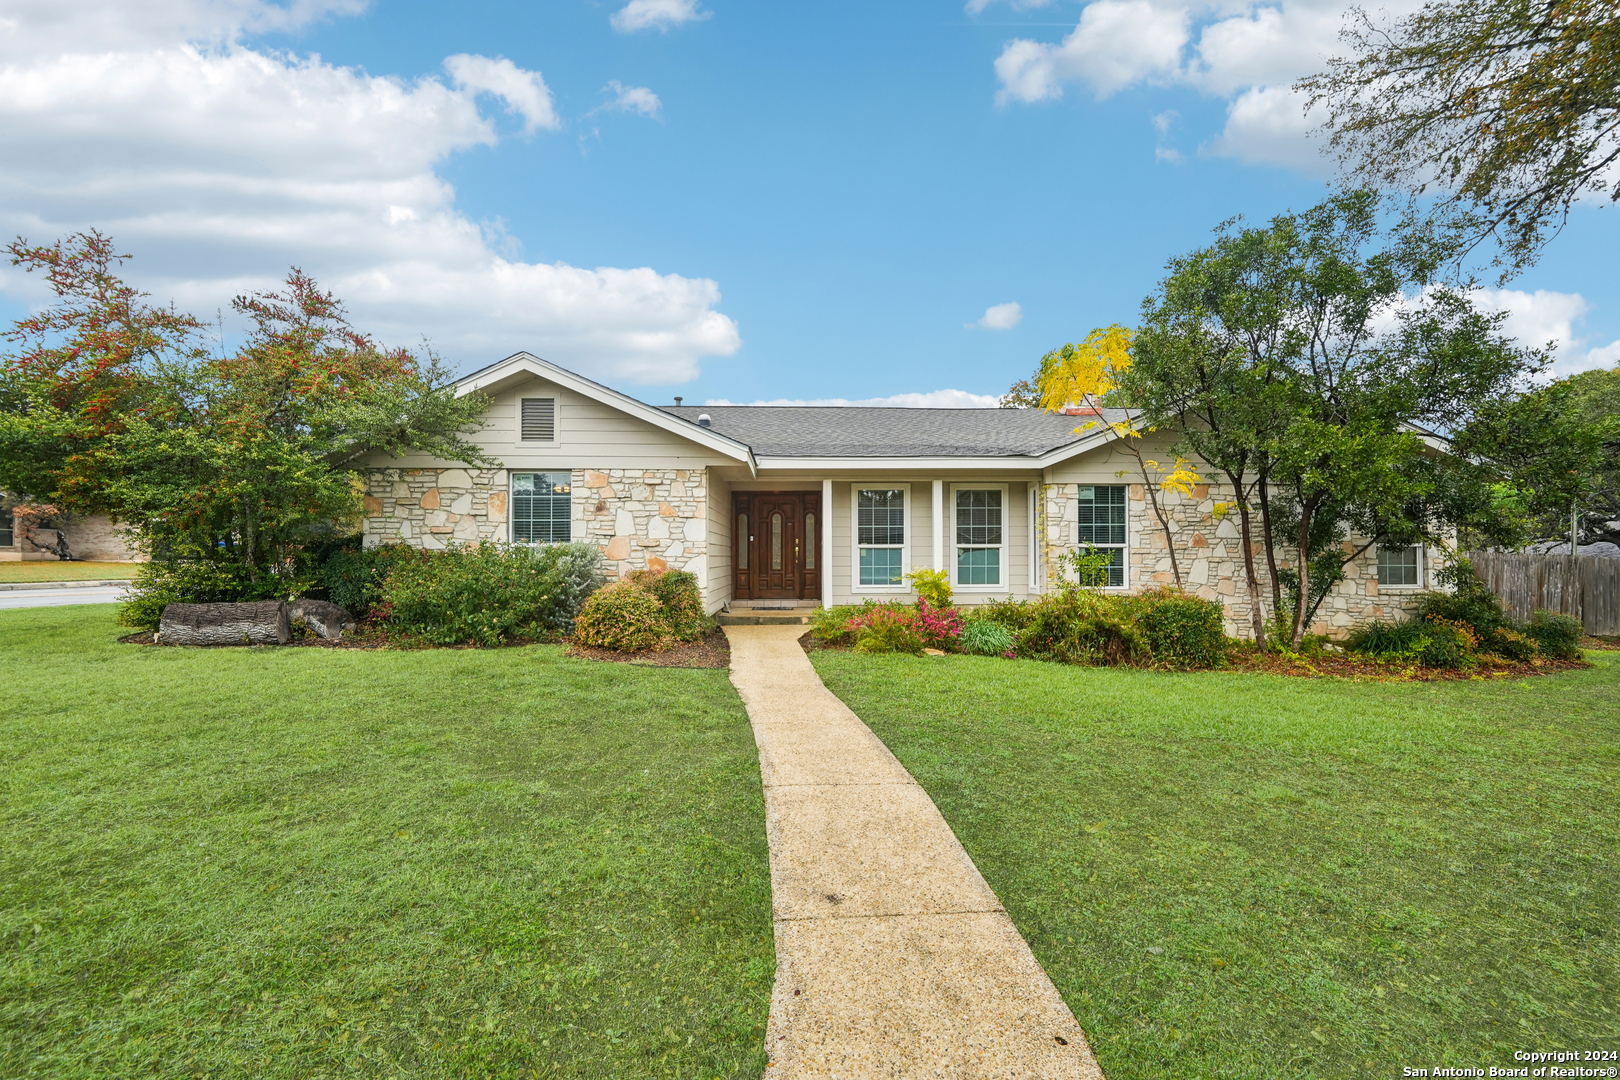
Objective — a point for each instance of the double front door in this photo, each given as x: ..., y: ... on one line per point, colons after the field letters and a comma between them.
x: 776, y: 544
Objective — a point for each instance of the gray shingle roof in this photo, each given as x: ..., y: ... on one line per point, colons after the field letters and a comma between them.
x: 856, y: 431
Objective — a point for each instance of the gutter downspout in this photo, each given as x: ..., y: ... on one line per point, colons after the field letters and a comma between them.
x: 939, y: 524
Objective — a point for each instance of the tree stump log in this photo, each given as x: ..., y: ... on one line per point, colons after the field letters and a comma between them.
x: 263, y: 623
x: 327, y: 620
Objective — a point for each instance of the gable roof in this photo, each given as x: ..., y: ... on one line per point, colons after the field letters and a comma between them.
x: 521, y: 365
x: 860, y: 432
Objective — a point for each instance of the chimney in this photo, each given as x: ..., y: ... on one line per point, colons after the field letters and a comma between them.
x: 1082, y: 410
x: 703, y: 420
x: 677, y: 402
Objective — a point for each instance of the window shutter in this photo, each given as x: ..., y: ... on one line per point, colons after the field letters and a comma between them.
x: 540, y: 419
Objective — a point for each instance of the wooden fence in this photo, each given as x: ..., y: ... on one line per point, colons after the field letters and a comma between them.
x: 1582, y: 586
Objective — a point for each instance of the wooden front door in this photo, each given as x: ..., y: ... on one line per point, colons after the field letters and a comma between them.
x: 776, y: 549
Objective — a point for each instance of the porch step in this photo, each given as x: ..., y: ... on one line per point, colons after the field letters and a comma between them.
x: 762, y: 618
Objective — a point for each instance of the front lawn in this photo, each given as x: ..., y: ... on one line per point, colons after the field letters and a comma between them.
x: 55, y: 570
x: 299, y: 863
x: 1233, y: 875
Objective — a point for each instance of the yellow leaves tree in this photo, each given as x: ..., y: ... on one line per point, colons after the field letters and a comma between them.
x: 1084, y: 375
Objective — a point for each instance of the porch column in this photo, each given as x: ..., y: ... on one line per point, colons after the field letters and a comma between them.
x: 939, y: 525
x: 827, y: 543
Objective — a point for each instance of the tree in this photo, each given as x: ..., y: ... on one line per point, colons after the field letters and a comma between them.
x: 1023, y: 394
x: 1513, y: 106
x: 241, y: 459
x: 1558, y: 449
x: 1088, y: 374
x: 1307, y: 360
x: 82, y: 365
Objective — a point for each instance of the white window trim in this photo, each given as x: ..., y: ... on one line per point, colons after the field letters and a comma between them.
x: 1126, y: 560
x: 511, y: 505
x: 556, y: 439
x: 1422, y: 566
x: 855, y: 490
x: 951, y: 545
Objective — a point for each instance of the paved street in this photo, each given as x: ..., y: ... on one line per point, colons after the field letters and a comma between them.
x: 92, y: 594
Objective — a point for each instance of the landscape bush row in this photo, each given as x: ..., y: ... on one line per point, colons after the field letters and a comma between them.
x: 1466, y: 628
x: 1162, y: 628
x: 479, y: 594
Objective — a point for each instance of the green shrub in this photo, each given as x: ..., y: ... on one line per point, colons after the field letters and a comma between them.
x: 354, y: 578
x: 1015, y: 615
x: 986, y: 637
x: 933, y: 586
x: 682, y: 603
x: 1182, y: 631
x: 1557, y: 636
x: 889, y: 629
x: 1429, y: 644
x: 624, y: 617
x: 1078, y: 626
x: 1510, y: 644
x: 484, y: 594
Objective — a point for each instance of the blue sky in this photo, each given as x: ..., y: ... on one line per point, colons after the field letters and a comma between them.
x: 739, y: 202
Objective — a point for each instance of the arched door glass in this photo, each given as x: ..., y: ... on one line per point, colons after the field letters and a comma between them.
x: 742, y: 541
x: 810, y: 541
x: 776, y: 540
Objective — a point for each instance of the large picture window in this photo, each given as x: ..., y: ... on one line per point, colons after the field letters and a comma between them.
x: 540, y: 508
x: 1398, y: 566
x: 1102, y: 526
x: 980, y: 537
x: 880, y: 536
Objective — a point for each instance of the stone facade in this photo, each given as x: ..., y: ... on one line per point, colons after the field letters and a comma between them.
x: 640, y: 518
x: 1209, y: 552
x: 432, y: 508
x: 645, y: 519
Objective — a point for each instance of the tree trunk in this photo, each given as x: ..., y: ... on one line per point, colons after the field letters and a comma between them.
x: 1303, y: 603
x: 1257, y: 614
x: 263, y: 623
x: 1271, y: 547
x: 1164, y: 523
x: 327, y: 620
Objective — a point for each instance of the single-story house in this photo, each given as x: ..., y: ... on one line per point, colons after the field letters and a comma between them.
x: 799, y: 505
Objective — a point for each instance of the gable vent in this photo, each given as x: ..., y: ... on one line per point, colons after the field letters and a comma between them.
x: 540, y: 419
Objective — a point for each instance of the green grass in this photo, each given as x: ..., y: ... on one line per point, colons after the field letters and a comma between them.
x: 309, y: 863
x: 1250, y: 876
x: 66, y: 571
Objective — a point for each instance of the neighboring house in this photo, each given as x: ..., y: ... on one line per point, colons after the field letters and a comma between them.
x: 90, y: 537
x: 791, y: 504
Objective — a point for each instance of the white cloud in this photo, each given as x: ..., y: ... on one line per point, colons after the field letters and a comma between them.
x: 220, y: 167
x: 975, y: 7
x: 524, y: 92
x: 998, y: 317
x: 1544, y: 317
x: 632, y: 99
x: 656, y: 15
x: 1249, y: 52
x: 1117, y: 43
x: 33, y: 28
x: 934, y: 399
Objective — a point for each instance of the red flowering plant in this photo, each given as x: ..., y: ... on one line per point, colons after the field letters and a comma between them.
x: 940, y: 627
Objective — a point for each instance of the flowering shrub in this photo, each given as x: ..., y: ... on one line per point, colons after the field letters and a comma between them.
x: 940, y: 627
x: 888, y: 629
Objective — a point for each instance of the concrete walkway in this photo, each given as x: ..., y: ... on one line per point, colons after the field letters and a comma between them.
x: 893, y: 957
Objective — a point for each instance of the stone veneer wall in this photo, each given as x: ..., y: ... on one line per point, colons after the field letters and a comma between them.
x: 1209, y: 551
x: 640, y: 518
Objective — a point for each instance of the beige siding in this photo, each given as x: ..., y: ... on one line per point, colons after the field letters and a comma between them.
x: 590, y: 435
x: 720, y: 547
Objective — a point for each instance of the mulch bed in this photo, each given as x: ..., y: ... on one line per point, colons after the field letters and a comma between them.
x: 1602, y: 644
x: 712, y: 650
x: 1247, y: 661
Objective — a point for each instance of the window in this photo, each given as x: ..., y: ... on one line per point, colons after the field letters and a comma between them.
x: 6, y: 537
x: 810, y: 541
x: 742, y: 541
x: 1102, y: 526
x: 540, y: 511
x: 880, y: 536
x: 1398, y: 566
x: 776, y: 540
x: 539, y: 419
x: 979, y: 536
